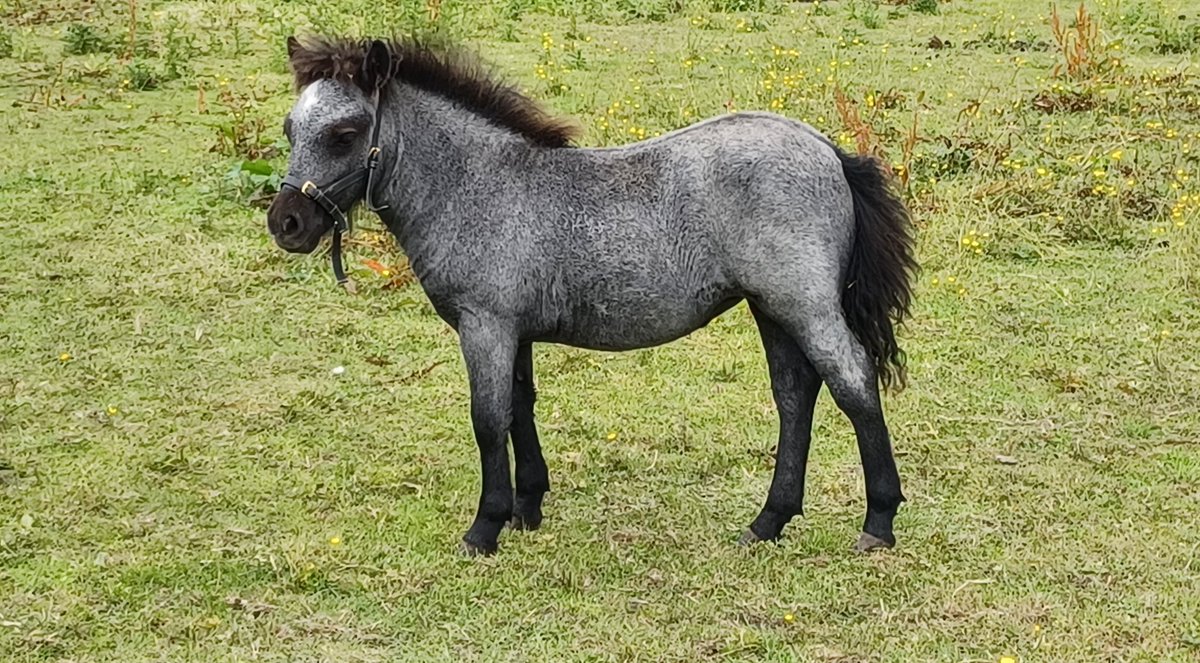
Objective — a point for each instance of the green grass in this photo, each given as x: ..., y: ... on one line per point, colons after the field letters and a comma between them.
x: 175, y: 454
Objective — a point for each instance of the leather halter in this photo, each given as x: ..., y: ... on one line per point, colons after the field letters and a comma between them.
x: 327, y: 197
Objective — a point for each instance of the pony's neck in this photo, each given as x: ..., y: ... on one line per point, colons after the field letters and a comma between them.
x: 436, y: 154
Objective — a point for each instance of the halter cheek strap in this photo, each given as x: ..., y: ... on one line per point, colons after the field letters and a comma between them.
x: 372, y: 164
x: 326, y: 198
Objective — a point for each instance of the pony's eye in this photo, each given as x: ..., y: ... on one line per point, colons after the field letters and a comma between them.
x: 345, y: 137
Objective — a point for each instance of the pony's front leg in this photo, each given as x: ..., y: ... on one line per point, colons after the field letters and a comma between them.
x: 533, y: 479
x: 489, y: 349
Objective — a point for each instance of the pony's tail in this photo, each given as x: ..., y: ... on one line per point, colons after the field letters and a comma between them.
x: 878, y: 289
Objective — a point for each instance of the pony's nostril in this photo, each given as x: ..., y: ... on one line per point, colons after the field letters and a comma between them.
x: 290, y: 224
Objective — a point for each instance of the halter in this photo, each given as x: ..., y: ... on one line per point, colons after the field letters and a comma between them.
x: 326, y: 197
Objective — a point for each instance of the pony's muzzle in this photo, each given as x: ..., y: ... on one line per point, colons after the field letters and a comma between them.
x: 296, y: 223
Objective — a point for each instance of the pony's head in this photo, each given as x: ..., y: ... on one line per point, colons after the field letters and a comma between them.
x: 329, y: 129
x: 331, y: 123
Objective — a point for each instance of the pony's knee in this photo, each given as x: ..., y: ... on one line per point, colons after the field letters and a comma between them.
x: 491, y: 422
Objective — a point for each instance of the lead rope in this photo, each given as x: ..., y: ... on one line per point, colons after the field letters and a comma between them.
x: 335, y: 254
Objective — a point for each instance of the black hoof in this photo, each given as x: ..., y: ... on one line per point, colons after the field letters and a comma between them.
x: 749, y: 538
x: 468, y: 549
x: 528, y: 522
x: 868, y: 542
x: 527, y: 511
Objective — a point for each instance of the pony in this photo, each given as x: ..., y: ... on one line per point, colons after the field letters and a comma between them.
x: 517, y: 236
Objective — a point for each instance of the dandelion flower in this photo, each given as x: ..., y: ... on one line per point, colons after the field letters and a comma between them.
x: 1007, y: 659
x: 335, y: 541
x: 789, y: 618
x: 65, y: 357
x: 112, y: 410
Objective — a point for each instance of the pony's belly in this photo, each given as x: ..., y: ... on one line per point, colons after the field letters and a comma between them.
x: 630, y: 328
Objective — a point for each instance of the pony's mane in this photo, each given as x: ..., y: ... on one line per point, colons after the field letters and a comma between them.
x: 447, y: 71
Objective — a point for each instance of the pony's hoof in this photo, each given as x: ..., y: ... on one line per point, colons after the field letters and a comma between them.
x: 527, y: 522
x: 869, y: 542
x: 468, y: 549
x: 749, y: 538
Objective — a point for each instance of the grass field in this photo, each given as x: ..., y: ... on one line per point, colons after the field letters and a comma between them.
x: 184, y: 478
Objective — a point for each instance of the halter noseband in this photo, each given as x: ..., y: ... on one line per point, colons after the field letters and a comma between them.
x: 326, y: 197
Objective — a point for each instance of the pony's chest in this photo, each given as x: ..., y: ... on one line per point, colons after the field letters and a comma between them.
x: 457, y: 290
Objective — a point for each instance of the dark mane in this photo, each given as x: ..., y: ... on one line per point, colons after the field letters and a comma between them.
x: 443, y: 70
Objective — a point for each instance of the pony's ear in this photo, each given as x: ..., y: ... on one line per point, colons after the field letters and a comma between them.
x: 293, y: 46
x: 376, y: 67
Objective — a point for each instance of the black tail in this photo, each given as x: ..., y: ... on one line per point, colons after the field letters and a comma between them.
x: 879, y: 279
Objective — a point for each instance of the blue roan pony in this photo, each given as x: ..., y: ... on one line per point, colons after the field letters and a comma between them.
x: 517, y: 238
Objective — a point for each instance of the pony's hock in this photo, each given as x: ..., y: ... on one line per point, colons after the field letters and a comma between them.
x: 517, y: 238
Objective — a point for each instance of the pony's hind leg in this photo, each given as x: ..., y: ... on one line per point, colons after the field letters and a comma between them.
x: 795, y: 385
x: 533, y: 479
x: 820, y: 328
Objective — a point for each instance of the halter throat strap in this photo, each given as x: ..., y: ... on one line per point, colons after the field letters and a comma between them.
x: 326, y: 197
